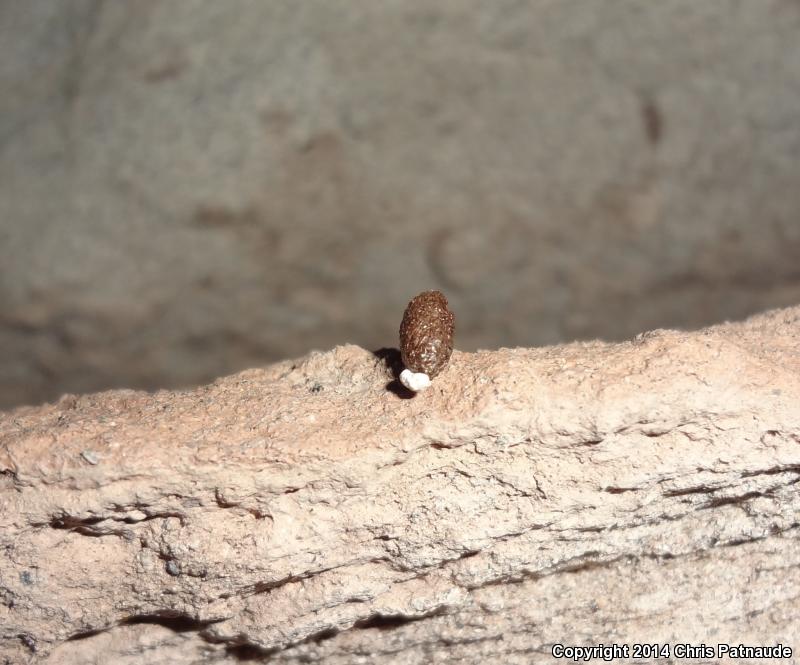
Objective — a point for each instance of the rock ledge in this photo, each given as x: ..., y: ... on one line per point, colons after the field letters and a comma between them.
x: 312, y: 511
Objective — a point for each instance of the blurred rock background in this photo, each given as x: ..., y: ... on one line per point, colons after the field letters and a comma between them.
x: 192, y: 188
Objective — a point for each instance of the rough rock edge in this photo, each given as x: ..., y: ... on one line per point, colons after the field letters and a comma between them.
x: 312, y: 510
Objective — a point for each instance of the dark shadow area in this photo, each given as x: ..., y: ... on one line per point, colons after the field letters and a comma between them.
x: 389, y: 621
x: 394, y: 363
x: 176, y: 622
x: 249, y: 653
x: 179, y: 623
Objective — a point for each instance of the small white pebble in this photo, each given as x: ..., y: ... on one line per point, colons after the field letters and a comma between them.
x: 90, y: 456
x: 415, y: 381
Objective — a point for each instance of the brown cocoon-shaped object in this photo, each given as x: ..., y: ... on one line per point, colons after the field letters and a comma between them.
x: 426, y: 333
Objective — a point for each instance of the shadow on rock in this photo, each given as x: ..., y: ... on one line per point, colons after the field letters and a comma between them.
x: 394, y: 363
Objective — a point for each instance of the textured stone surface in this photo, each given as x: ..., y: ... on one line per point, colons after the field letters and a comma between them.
x: 642, y: 491
x: 192, y: 188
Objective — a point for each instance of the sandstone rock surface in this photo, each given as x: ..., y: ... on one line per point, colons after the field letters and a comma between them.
x: 311, y: 511
x: 188, y: 189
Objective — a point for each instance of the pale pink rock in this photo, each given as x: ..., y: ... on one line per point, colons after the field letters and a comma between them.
x: 642, y: 491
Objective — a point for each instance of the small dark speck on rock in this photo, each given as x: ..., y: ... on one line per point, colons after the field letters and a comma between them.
x: 316, y: 388
x: 26, y: 578
x: 173, y: 568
